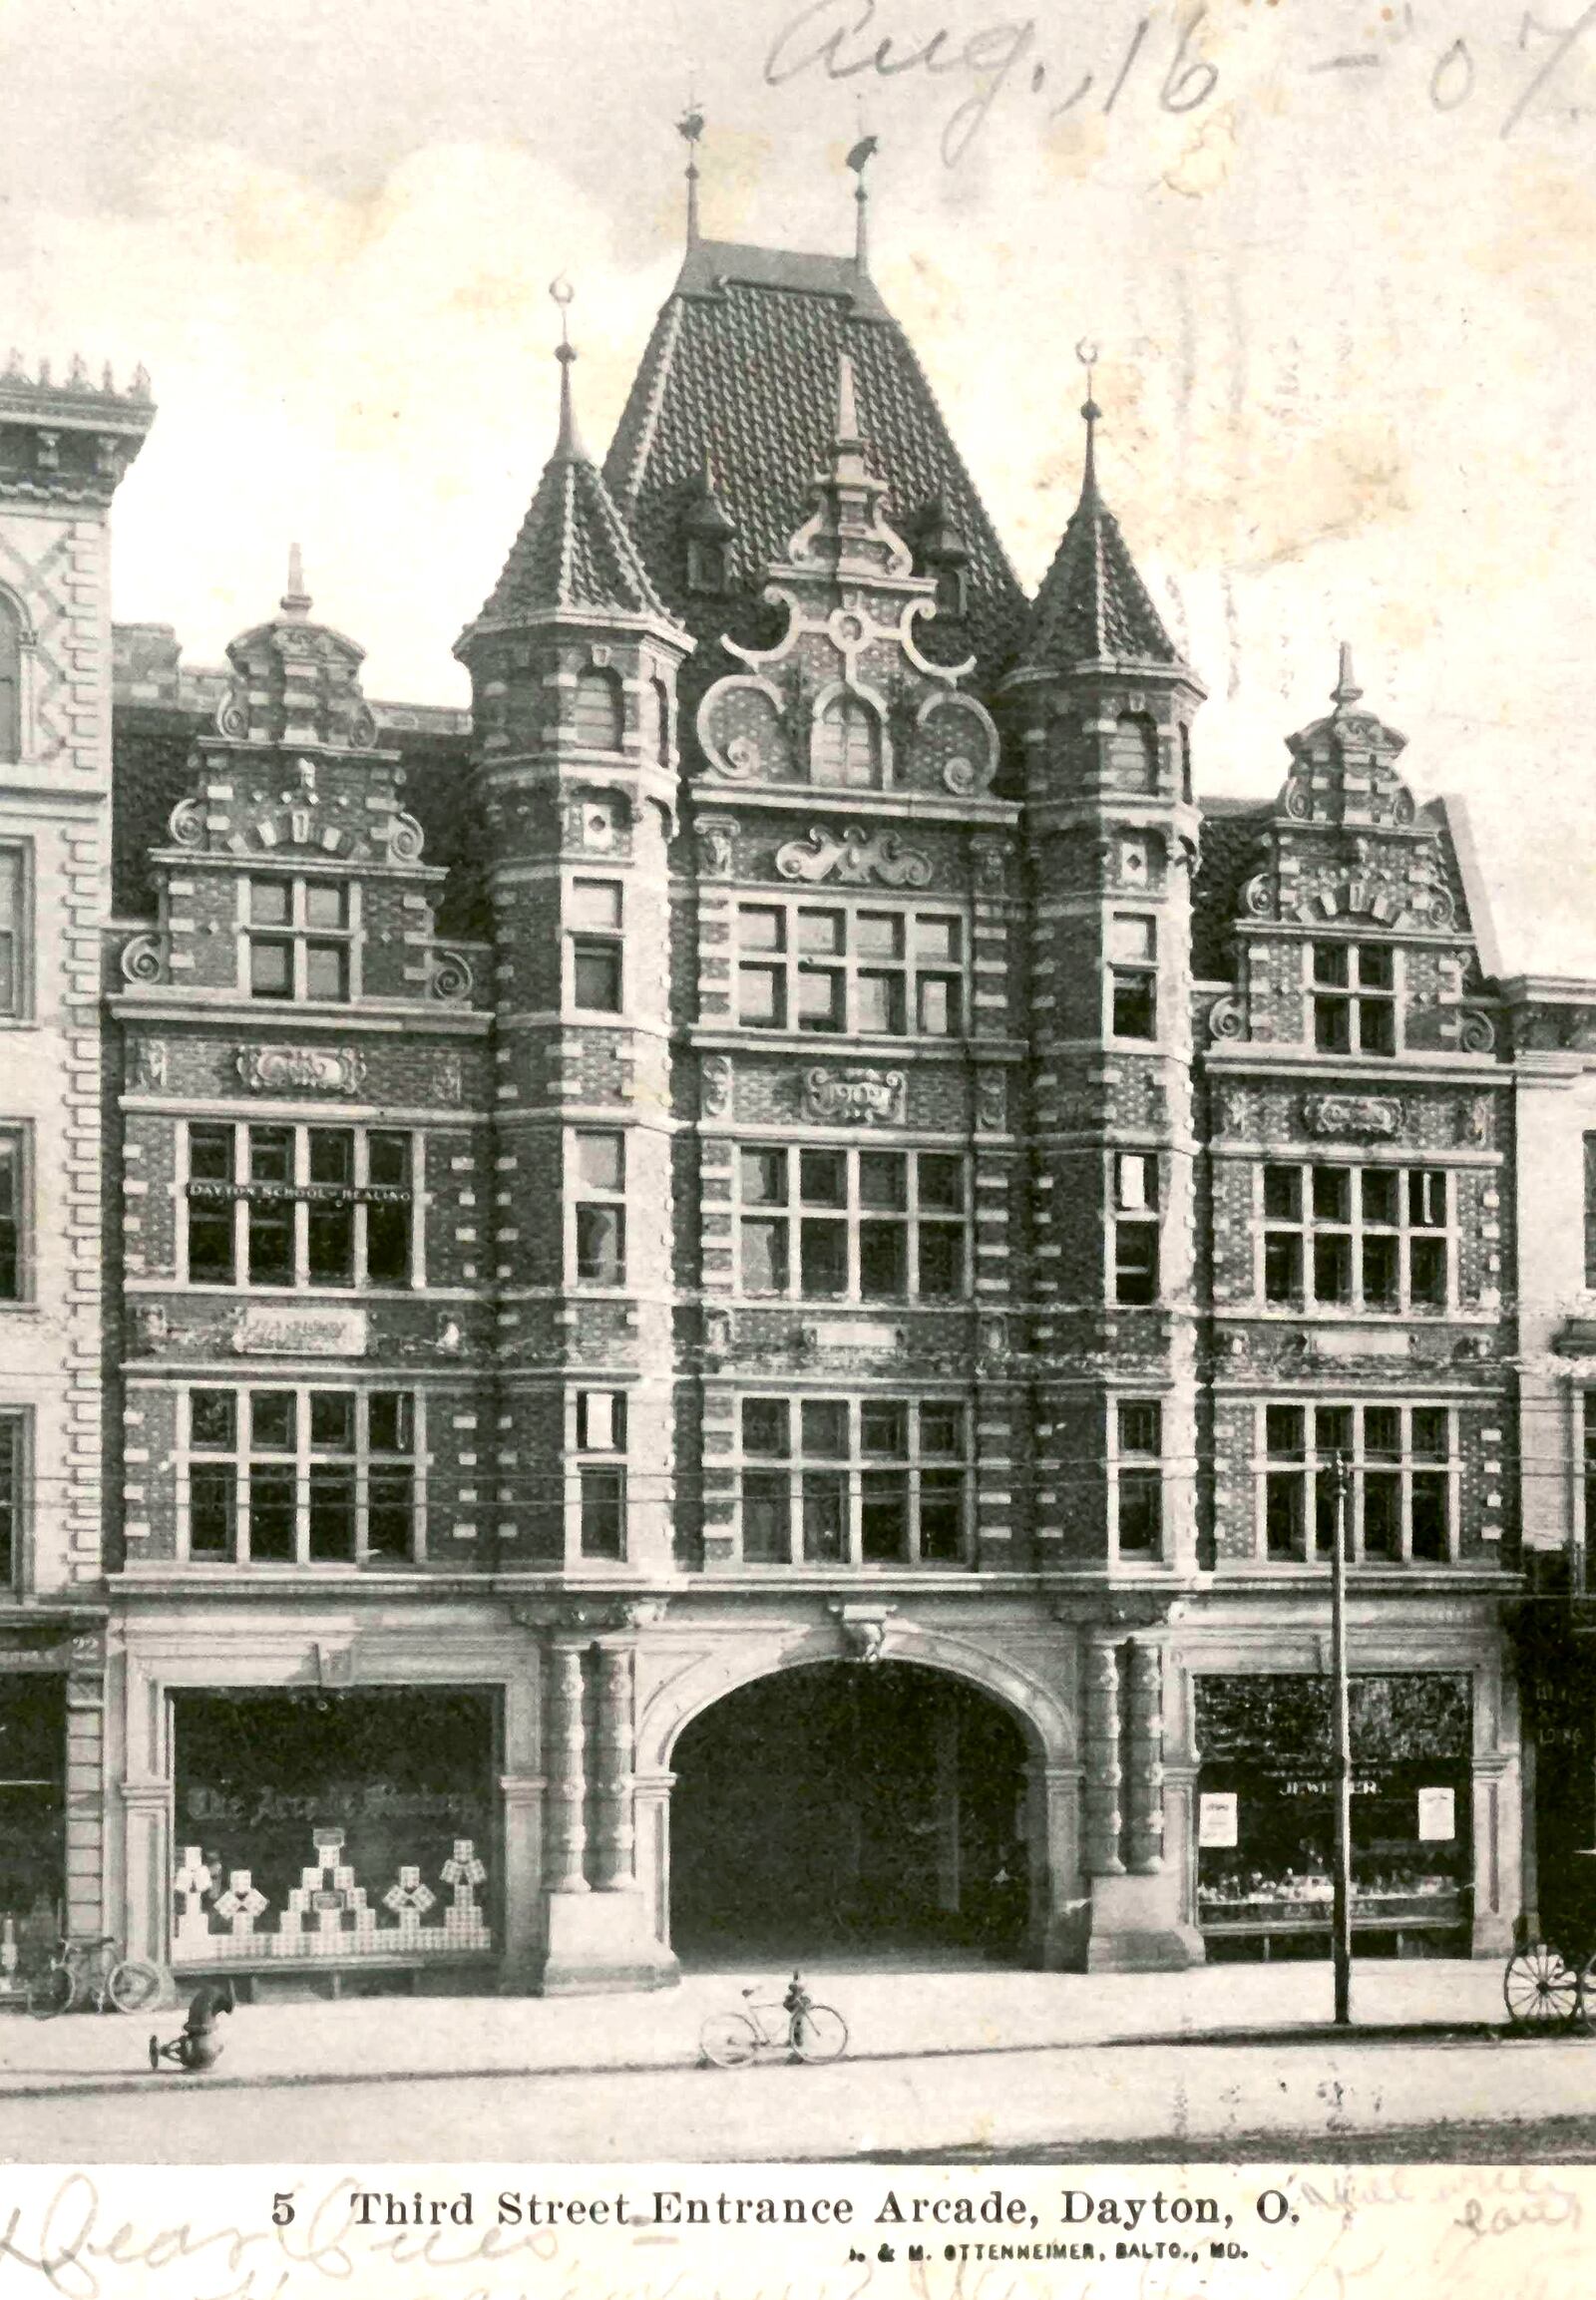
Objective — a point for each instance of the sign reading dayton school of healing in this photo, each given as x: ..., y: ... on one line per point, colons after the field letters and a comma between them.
x: 271, y: 1329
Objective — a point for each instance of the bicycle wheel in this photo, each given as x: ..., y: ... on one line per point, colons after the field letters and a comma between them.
x: 51, y: 1993
x: 1540, y: 1991
x: 728, y: 2040
x: 819, y: 2034
x: 132, y: 1987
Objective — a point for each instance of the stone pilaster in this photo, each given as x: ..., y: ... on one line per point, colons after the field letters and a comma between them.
x: 1102, y: 1757
x: 567, y: 1831
x: 615, y: 1867
x: 1145, y: 1800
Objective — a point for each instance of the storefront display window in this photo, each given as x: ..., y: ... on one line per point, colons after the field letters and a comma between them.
x: 1266, y: 1813
x: 341, y: 1825
x: 32, y: 1827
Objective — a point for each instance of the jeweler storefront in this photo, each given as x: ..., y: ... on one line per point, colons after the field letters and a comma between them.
x: 1266, y: 1815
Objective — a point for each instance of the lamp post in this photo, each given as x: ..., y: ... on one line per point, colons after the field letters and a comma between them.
x: 1342, y: 1888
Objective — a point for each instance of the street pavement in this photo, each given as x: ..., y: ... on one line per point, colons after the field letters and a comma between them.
x: 948, y: 2063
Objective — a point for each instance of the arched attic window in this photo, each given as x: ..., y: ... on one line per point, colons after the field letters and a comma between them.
x: 600, y: 719
x: 10, y: 683
x: 1133, y: 754
x: 847, y: 748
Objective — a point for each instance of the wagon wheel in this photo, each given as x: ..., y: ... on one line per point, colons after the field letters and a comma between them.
x: 1540, y: 1990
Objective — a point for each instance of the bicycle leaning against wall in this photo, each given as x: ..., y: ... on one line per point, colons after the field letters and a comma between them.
x: 94, y: 1971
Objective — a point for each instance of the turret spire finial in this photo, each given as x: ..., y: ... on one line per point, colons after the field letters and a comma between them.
x: 690, y: 127
x: 859, y: 159
x: 295, y: 602
x: 848, y: 433
x: 569, y: 442
x: 1086, y: 353
x: 1346, y: 690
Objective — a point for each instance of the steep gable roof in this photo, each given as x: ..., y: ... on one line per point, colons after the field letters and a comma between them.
x: 1093, y: 605
x: 742, y: 367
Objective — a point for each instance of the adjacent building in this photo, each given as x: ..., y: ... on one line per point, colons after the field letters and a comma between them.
x: 733, y: 1282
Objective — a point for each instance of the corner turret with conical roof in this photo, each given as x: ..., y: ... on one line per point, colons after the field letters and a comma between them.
x: 574, y: 662
x: 1102, y: 700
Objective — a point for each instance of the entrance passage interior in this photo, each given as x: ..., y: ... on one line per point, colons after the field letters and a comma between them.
x: 848, y: 1809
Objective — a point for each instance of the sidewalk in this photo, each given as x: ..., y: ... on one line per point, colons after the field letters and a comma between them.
x: 892, y: 2015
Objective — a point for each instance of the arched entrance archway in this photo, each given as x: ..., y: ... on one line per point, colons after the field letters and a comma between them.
x: 836, y: 1808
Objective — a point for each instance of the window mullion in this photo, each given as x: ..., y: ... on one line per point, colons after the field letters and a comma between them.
x: 362, y: 1527
x: 912, y: 1545
x: 418, y: 1208
x: 360, y: 1170
x: 301, y: 1479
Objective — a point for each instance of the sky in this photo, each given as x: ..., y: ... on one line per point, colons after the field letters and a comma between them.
x: 1337, y: 260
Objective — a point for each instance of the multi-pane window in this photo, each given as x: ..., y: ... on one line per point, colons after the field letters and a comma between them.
x: 13, y: 1214
x: 1133, y: 975
x: 1135, y: 1227
x: 1133, y: 754
x: 301, y: 1476
x: 863, y: 1225
x: 840, y: 971
x: 11, y: 1491
x: 1359, y: 1237
x: 1401, y: 1481
x: 853, y: 1481
x: 599, y: 1162
x: 601, y: 1483
x: 301, y: 1206
x: 1139, y: 1477
x: 10, y: 683
x: 299, y: 937
x: 1355, y: 997
x: 13, y: 930
x: 595, y: 945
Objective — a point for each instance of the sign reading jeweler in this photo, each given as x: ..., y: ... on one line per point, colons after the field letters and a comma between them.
x: 267, y: 1331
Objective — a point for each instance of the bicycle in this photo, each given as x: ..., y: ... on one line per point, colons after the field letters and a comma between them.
x: 84, y: 1970
x: 813, y: 2033
x: 1541, y: 1988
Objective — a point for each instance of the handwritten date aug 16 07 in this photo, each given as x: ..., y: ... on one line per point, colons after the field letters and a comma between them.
x: 852, y: 39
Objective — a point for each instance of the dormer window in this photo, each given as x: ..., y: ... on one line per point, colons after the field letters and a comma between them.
x: 707, y: 531
x: 709, y: 565
x: 942, y: 553
x: 1354, y: 999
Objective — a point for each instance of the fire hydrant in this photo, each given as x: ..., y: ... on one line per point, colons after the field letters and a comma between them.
x: 199, y: 2046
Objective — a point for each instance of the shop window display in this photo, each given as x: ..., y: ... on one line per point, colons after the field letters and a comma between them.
x: 32, y: 1817
x: 1265, y: 1814
x: 333, y: 1825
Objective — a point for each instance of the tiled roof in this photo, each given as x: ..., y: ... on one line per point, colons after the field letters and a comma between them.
x: 1231, y: 831
x: 574, y: 549
x: 1093, y: 606
x: 742, y: 366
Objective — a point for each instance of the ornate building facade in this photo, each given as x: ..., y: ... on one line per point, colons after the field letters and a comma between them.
x: 738, y: 1276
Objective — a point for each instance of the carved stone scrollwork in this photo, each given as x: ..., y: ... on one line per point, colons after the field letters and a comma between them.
x: 143, y: 960
x: 1227, y: 1017
x: 1258, y: 897
x: 406, y: 839
x: 449, y: 977
x: 185, y: 825
x: 1476, y: 1032
x: 856, y: 858
x: 991, y: 858
x: 855, y: 1097
x: 1376, y: 1117
x: 715, y: 1085
x: 233, y: 714
x: 301, y: 1069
